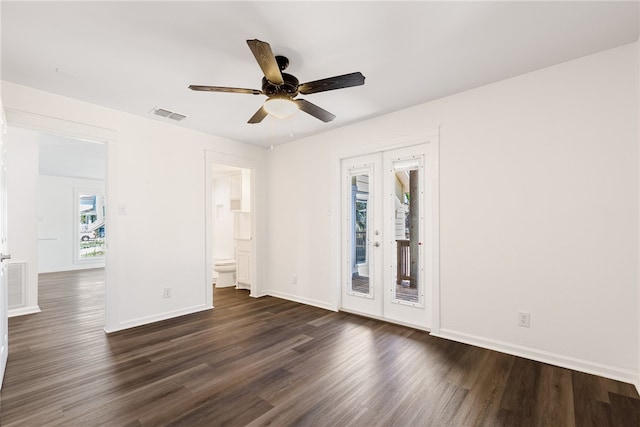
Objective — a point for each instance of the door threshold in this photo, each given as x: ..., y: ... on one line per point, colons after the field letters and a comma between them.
x: 384, y: 319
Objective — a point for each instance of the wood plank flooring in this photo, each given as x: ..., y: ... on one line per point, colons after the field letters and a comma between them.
x: 273, y: 362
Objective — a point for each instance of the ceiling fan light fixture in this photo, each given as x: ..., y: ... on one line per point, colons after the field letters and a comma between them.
x: 280, y: 106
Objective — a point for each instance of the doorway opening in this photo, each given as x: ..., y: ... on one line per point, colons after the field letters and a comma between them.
x: 57, y: 206
x: 230, y: 226
x: 71, y: 168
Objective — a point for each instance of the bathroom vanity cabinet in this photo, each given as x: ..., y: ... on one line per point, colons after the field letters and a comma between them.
x: 240, y: 191
x: 243, y: 262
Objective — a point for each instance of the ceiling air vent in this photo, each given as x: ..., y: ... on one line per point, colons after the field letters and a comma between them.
x: 168, y: 114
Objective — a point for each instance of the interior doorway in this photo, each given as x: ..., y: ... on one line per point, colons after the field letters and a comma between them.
x: 387, y: 235
x: 56, y: 187
x: 230, y: 224
x: 71, y: 197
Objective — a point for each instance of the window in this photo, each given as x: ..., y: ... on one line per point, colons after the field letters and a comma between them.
x: 90, y: 242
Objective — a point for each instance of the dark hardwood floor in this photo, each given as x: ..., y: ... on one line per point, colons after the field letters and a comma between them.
x: 269, y: 361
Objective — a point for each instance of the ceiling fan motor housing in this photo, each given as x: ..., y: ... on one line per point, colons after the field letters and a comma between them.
x: 289, y: 87
x: 283, y: 62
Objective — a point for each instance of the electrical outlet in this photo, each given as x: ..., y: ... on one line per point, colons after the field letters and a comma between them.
x: 294, y: 279
x: 524, y: 319
x: 166, y: 293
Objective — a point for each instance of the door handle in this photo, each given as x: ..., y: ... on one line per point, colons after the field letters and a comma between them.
x: 376, y: 244
x: 4, y: 257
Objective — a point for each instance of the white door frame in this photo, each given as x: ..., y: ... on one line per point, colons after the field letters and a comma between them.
x: 216, y: 157
x: 424, y: 136
x: 4, y: 249
x: 109, y: 137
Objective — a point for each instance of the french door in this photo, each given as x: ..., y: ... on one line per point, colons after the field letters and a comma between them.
x: 387, y: 255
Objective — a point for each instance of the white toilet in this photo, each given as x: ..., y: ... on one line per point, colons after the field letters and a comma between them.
x: 226, y: 270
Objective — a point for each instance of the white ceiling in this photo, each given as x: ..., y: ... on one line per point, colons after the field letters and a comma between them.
x: 133, y: 56
x: 61, y: 156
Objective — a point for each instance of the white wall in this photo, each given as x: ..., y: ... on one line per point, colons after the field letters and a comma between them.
x: 22, y: 202
x: 155, y: 201
x: 538, y: 212
x: 56, y: 222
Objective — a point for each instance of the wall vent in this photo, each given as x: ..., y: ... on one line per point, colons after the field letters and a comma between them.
x: 17, y: 284
x: 168, y: 114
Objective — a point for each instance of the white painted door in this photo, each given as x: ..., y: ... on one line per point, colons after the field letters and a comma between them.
x: 387, y: 235
x: 4, y: 321
x: 362, y: 272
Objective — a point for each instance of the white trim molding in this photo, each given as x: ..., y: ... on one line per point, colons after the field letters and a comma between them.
x: 607, y: 371
x: 141, y: 321
x: 59, y: 126
x: 21, y: 311
x: 301, y: 300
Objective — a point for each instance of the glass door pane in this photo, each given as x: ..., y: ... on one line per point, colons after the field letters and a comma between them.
x: 407, y: 219
x: 360, y: 282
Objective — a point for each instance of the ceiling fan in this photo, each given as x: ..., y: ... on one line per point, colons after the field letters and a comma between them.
x: 282, y: 88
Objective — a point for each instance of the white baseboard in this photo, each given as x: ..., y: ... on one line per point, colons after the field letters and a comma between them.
x: 74, y: 267
x: 581, y: 365
x: 23, y: 311
x: 296, y: 298
x: 157, y: 318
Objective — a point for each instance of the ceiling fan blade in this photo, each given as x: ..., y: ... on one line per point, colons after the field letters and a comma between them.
x: 258, y: 116
x: 267, y: 62
x: 225, y: 89
x: 314, y: 110
x: 331, y: 83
